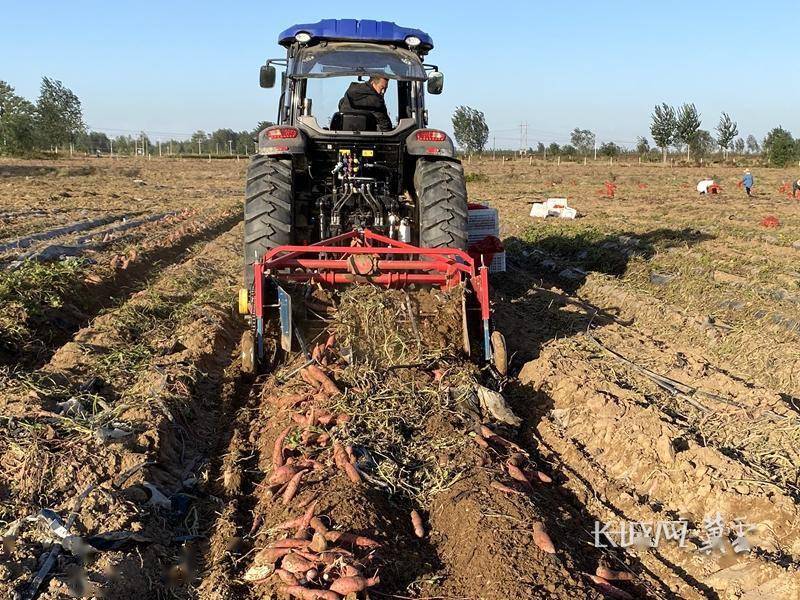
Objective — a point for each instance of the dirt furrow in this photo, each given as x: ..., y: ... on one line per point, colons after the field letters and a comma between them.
x: 648, y: 466
x: 130, y: 410
x: 106, y: 285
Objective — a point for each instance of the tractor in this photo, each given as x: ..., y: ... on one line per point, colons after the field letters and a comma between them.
x: 332, y: 200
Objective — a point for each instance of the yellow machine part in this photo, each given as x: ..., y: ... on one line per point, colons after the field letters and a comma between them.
x: 244, y: 303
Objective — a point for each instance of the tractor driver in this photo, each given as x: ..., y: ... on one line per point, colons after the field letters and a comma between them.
x: 368, y: 96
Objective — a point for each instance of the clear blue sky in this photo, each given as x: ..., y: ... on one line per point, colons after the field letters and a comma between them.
x: 173, y: 67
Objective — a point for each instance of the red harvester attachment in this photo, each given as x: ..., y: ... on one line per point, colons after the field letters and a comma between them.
x: 359, y: 257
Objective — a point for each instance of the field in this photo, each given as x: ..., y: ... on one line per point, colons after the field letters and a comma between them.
x: 655, y: 355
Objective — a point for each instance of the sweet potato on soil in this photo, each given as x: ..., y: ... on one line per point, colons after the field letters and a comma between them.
x: 283, y: 474
x: 611, y: 575
x: 491, y: 436
x: 349, y: 585
x: 269, y: 556
x: 318, y: 542
x: 289, y: 543
x: 304, y: 593
x: 504, y: 488
x: 318, y: 526
x: 277, y: 449
x: 542, y: 539
x: 609, y: 590
x: 294, y: 563
x: 291, y: 488
x: 327, y: 383
x: 544, y: 477
x: 517, y: 474
x: 350, y: 539
x: 416, y: 521
x: 287, y: 577
x: 342, y: 461
x: 481, y: 441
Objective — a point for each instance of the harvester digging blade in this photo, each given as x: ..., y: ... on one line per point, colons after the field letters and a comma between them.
x: 285, y: 311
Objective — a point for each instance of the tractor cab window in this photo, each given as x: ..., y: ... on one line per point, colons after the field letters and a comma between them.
x: 341, y: 59
x: 325, y: 95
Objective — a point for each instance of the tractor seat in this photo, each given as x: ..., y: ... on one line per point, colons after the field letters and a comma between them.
x: 356, y: 120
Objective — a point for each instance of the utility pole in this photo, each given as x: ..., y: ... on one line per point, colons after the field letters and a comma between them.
x: 111, y: 144
x: 199, y: 150
x: 230, y: 146
x: 595, y: 150
x: 159, y: 148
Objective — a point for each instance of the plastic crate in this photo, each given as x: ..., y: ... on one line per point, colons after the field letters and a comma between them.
x: 483, y: 219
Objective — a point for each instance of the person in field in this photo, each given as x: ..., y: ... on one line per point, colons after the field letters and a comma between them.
x: 795, y: 187
x: 707, y: 186
x: 747, y: 182
x: 368, y: 96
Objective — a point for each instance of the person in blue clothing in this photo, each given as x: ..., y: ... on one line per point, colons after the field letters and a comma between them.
x: 747, y: 182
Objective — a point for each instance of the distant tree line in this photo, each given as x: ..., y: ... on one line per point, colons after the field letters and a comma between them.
x: 681, y: 128
x: 56, y: 121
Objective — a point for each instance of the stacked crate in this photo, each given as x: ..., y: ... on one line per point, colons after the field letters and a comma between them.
x: 483, y: 221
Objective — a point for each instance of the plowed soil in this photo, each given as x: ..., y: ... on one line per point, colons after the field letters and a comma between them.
x: 654, y: 366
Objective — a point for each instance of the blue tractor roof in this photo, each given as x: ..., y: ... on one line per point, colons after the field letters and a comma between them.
x: 353, y: 29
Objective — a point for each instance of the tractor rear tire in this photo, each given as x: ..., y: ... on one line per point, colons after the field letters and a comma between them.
x: 442, y: 198
x: 269, y: 193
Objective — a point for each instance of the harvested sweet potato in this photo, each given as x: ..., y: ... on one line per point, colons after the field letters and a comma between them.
x: 277, y: 449
x: 350, y: 539
x: 287, y: 577
x: 611, y: 575
x: 327, y: 383
x: 283, y: 474
x: 504, y: 488
x: 517, y: 474
x: 608, y: 589
x: 416, y: 521
x: 342, y: 461
x: 269, y: 556
x: 304, y: 593
x: 289, y: 543
x: 318, y: 526
x: 297, y: 564
x: 318, y: 542
x: 349, y: 585
x: 542, y: 539
x: 291, y: 488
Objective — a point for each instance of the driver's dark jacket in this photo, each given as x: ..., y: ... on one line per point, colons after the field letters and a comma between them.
x: 362, y: 96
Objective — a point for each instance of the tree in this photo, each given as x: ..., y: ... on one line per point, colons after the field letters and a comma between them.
x: 553, y: 149
x: 780, y: 147
x: 738, y: 146
x: 703, y: 143
x: 540, y: 148
x: 569, y: 150
x: 18, y: 132
x: 688, y: 126
x: 59, y: 112
x: 583, y: 140
x: 609, y: 149
x: 664, y: 127
x: 753, y: 146
x: 642, y: 145
x: 470, y: 129
x: 727, y: 129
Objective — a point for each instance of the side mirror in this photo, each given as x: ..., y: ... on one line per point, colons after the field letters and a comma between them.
x: 267, y: 76
x: 435, y: 82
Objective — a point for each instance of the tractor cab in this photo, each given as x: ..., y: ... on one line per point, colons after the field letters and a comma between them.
x: 324, y: 58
